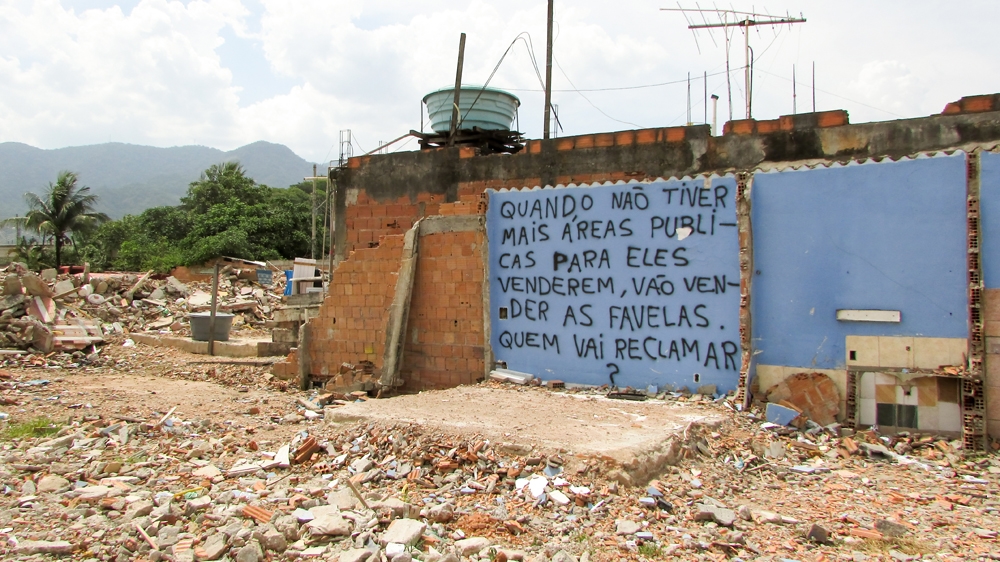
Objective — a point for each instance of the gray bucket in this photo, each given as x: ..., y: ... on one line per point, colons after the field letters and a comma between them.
x: 200, y: 322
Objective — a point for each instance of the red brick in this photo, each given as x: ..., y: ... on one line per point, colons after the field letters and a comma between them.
x: 646, y: 136
x: 675, y: 134
x: 838, y: 117
x: 624, y: 138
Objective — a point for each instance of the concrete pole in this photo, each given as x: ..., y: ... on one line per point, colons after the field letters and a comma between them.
x: 547, y: 129
x: 312, y: 243
x: 211, y: 317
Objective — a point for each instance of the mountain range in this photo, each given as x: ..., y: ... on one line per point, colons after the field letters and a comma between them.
x: 130, y: 178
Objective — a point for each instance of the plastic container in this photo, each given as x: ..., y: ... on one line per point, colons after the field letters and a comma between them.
x: 201, y: 320
x: 288, y: 281
x: 494, y: 109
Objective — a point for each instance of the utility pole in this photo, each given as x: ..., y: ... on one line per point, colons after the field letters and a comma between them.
x: 794, y: 99
x: 312, y: 242
x: 312, y: 246
x: 548, y: 74
x: 746, y: 20
x: 814, y: 86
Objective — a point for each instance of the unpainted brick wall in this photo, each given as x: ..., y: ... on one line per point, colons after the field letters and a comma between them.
x: 368, y: 220
x: 445, y: 334
x: 444, y: 340
x: 351, y: 324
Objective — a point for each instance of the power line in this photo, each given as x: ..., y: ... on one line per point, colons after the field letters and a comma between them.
x: 588, y: 99
x: 619, y: 88
x: 838, y: 96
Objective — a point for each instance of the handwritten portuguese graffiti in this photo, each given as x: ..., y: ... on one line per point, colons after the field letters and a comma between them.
x: 630, y: 284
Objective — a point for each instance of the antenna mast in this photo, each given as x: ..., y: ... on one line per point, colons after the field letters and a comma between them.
x: 746, y: 20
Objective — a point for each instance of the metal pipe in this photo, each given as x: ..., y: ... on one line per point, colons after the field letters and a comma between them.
x: 458, y: 91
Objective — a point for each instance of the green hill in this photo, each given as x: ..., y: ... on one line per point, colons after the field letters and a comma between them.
x: 130, y: 178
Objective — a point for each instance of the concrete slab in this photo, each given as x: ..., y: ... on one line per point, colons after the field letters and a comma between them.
x: 233, y: 348
x: 641, y: 437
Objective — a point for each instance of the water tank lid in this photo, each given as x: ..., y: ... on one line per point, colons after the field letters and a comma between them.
x: 473, y: 88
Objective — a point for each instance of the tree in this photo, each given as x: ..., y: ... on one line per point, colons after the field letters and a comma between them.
x: 64, y: 208
x: 219, y: 184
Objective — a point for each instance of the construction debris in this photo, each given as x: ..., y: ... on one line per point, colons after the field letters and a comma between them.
x: 281, y: 483
x: 51, y: 312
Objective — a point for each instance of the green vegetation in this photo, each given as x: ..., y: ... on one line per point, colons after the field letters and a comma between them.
x: 225, y: 213
x: 650, y: 550
x: 37, y: 427
x: 64, y: 208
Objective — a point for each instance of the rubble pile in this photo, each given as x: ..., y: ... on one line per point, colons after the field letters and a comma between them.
x: 165, y: 485
x: 46, y: 312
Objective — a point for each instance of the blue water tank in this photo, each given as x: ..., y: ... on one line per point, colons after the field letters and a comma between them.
x: 494, y: 109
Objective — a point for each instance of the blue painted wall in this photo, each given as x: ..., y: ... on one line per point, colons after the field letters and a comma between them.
x: 888, y: 236
x: 601, y: 285
x: 989, y: 210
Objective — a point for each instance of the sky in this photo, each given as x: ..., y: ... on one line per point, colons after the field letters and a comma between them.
x: 225, y: 73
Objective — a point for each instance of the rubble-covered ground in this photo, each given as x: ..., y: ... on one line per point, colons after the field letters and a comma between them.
x: 136, y: 453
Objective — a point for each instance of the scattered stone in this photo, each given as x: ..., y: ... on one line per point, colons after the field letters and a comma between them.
x: 403, y: 531
x: 471, y: 545
x: 356, y: 555
x: 44, y: 547
x: 627, y: 527
x: 52, y: 483
x: 817, y: 533
x: 250, y: 553
x: 890, y: 528
x: 720, y: 515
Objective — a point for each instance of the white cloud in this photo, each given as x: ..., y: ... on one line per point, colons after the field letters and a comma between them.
x: 154, y: 76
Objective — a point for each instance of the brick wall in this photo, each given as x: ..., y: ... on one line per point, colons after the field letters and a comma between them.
x: 444, y: 340
x: 351, y: 324
x: 445, y: 334
x: 368, y: 220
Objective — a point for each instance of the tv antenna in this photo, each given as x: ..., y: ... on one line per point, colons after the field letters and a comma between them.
x: 732, y: 18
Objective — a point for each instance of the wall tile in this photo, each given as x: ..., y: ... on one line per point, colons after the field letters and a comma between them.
x: 949, y: 417
x: 895, y: 352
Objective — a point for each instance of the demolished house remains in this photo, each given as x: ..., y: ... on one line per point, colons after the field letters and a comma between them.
x: 774, y: 344
x: 669, y: 258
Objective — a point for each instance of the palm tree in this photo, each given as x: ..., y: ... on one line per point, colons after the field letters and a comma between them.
x: 65, y: 207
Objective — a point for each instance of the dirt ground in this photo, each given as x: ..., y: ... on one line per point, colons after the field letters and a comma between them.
x: 739, y: 490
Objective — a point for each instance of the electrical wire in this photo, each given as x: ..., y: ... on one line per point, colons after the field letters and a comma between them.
x: 497, y: 67
x: 836, y: 95
x: 620, y: 88
x: 601, y: 111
